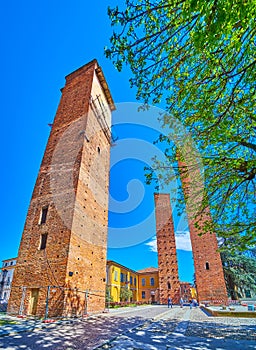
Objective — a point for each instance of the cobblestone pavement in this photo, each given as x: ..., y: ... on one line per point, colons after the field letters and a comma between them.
x: 180, y: 329
x: 152, y: 328
x: 80, y: 334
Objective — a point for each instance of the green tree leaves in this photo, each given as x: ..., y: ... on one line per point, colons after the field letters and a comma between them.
x: 239, y: 272
x: 125, y: 294
x: 197, y: 58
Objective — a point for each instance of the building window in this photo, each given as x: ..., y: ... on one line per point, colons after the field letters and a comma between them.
x: 115, y: 276
x: 43, y: 215
x: 5, y: 264
x: 11, y: 263
x: 152, y: 281
x: 169, y: 285
x: 207, y: 266
x: 122, y: 277
x: 248, y: 293
x: 43, y: 241
x: 143, y: 282
x: 135, y: 281
x: 130, y: 280
x: 143, y: 294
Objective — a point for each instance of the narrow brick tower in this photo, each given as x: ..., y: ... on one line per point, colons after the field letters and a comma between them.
x: 167, y: 257
x: 61, y: 263
x: 210, y: 282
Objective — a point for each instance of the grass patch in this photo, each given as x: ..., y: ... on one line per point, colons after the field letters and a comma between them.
x: 216, y: 313
x: 7, y: 322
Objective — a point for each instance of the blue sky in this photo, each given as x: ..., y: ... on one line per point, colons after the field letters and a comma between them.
x: 41, y: 43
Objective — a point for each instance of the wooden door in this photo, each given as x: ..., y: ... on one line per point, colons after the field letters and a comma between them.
x: 33, y: 301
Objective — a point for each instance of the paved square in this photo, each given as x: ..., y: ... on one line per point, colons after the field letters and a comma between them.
x: 138, y: 328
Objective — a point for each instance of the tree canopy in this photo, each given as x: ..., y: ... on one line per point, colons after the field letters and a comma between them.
x: 196, y: 58
x: 125, y: 294
x: 239, y: 272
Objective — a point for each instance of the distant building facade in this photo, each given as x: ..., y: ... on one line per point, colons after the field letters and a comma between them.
x: 187, y: 291
x: 144, y: 284
x: 148, y: 288
x: 119, y: 277
x: 6, y: 276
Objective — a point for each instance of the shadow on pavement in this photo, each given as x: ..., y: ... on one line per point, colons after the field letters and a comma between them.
x: 221, y: 330
x: 81, y: 334
x: 178, y: 335
x: 135, y: 332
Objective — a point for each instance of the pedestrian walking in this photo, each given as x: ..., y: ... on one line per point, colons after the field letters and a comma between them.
x: 169, y: 302
x: 194, y: 302
x: 181, y: 302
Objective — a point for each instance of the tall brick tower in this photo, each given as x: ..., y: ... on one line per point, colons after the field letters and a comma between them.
x: 167, y: 258
x: 62, y: 256
x: 210, y: 282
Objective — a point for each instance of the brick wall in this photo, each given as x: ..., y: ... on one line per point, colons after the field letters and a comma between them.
x: 73, y: 184
x: 210, y: 283
x: 167, y: 258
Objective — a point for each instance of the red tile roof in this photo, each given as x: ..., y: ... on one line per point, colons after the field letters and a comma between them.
x: 148, y: 270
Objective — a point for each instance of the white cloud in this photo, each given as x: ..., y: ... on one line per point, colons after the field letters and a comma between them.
x: 152, y: 245
x: 182, y: 239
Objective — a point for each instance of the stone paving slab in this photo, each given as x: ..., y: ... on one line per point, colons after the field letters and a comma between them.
x: 150, y: 328
x: 18, y: 325
x: 190, y: 330
x: 127, y: 343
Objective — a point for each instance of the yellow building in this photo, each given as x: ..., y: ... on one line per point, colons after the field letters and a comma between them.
x: 143, y: 284
x: 120, y: 277
x: 148, y: 285
x: 193, y: 293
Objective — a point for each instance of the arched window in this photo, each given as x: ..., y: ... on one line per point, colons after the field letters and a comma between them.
x: 207, y: 266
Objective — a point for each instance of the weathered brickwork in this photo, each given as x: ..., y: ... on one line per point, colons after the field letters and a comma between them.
x: 210, y: 282
x: 73, y: 185
x: 167, y: 258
